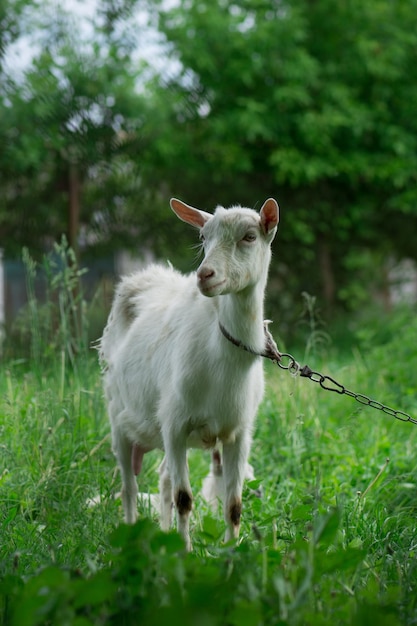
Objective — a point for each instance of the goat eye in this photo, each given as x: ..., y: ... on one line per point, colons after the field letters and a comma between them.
x: 249, y: 237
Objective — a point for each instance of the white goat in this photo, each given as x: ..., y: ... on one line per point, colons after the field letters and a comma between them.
x: 172, y: 378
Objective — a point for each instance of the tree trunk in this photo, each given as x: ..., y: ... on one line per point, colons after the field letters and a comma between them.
x: 73, y: 207
x: 74, y: 189
x: 327, y: 275
x: 385, y: 288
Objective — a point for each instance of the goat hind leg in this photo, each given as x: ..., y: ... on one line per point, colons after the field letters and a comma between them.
x: 213, y: 484
x: 129, y: 460
x: 166, y: 501
x: 234, y: 465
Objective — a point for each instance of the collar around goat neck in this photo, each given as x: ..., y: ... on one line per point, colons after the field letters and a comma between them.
x: 270, y: 351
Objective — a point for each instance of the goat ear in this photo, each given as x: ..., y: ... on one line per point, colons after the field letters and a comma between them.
x: 269, y: 215
x: 189, y: 214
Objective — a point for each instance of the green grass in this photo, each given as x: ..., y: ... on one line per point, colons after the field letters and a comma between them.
x: 332, y: 541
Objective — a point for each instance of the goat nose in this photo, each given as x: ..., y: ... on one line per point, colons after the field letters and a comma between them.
x: 204, y: 273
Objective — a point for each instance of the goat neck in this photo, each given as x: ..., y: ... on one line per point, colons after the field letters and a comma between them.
x: 241, y: 314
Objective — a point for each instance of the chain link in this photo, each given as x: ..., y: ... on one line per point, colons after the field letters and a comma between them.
x: 287, y: 362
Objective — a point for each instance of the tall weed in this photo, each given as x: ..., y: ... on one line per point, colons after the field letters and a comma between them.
x: 54, y: 324
x: 312, y: 325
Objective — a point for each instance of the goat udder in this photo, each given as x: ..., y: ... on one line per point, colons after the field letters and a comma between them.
x: 137, y: 458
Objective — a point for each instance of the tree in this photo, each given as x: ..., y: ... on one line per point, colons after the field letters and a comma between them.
x: 311, y: 102
x: 68, y: 125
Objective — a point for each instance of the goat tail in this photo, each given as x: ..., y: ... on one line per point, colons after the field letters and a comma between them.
x: 122, y: 314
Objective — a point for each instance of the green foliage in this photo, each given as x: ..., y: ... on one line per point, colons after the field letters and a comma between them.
x: 284, y: 100
x: 75, y: 111
x: 251, y: 100
x: 151, y: 579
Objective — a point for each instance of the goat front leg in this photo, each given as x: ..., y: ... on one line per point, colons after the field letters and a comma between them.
x: 235, y: 457
x: 175, y: 444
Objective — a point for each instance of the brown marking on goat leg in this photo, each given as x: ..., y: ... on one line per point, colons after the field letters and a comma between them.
x: 217, y: 463
x: 184, y: 502
x: 216, y: 457
x: 235, y: 512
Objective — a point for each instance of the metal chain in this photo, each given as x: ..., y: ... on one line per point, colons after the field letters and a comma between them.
x: 287, y: 362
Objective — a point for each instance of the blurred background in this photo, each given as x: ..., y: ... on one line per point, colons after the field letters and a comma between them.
x: 110, y: 107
